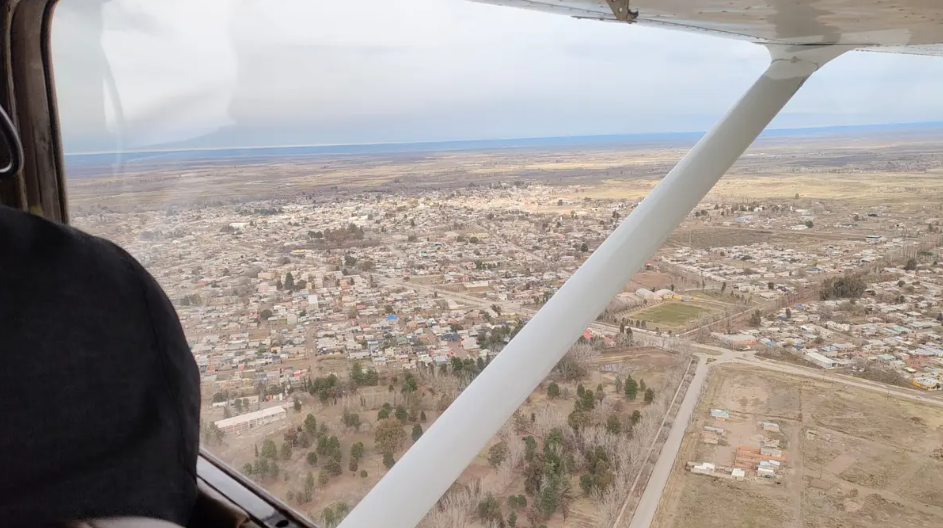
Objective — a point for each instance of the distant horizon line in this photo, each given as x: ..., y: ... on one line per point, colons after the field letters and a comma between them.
x: 520, y: 138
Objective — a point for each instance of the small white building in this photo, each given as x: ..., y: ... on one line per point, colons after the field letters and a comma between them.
x: 704, y: 468
x: 251, y: 420
x: 820, y: 360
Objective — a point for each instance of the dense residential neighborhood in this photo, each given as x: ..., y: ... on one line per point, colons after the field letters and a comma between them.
x: 399, y: 280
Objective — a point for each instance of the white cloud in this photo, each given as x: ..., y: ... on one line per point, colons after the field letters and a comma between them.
x: 271, y: 72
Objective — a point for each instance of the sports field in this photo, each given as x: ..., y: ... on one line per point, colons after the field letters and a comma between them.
x: 670, y: 314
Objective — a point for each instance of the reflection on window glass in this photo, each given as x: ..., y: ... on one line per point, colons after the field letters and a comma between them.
x: 329, y: 196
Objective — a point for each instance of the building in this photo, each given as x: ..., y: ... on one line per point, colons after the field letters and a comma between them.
x: 735, y: 340
x: 720, y: 415
x: 704, y: 468
x: 251, y: 420
x: 766, y: 472
x: 820, y: 360
x: 770, y: 426
x: 926, y: 383
x: 738, y: 474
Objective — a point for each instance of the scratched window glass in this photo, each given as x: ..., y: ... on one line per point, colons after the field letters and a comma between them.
x: 504, y: 267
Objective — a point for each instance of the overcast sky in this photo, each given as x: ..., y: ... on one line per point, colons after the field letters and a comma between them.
x: 219, y: 73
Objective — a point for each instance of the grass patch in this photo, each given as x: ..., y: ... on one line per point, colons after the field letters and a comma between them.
x: 671, y: 314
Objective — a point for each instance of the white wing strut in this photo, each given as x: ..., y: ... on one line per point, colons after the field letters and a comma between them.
x: 426, y: 471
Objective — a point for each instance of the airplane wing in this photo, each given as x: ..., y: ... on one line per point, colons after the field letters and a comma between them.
x: 901, y: 26
x: 803, y: 36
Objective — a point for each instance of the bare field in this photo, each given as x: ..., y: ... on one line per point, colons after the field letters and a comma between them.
x: 717, y: 503
x: 852, y: 457
x: 831, y: 167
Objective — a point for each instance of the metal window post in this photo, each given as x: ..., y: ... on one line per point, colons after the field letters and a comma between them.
x: 419, y: 479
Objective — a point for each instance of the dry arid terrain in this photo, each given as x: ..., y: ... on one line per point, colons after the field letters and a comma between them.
x: 897, y: 165
x: 851, y: 457
x: 356, y: 294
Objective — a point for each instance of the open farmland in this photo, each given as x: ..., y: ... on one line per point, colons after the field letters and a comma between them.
x: 850, y: 457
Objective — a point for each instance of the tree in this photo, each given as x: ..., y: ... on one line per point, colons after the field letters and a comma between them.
x: 330, y: 520
x: 553, y: 390
x: 723, y: 287
x: 636, y: 416
x: 641, y: 385
x: 289, y: 281
x: 238, y: 405
x: 847, y: 286
x: 389, y: 436
x: 333, y: 465
x: 265, y: 314
x: 363, y: 473
x: 269, y: 449
x: 409, y: 384
x: 649, y: 396
x: 770, y: 286
x: 809, y: 224
x: 417, y: 432
x: 496, y: 309
x: 356, y: 451
x: 310, y: 424
x: 788, y: 313
x: 530, y: 448
x: 286, y: 451
x: 401, y: 413
x: 584, y: 247
x: 352, y: 466
x: 560, y: 202
x: 497, y: 454
x: 489, y: 510
x: 297, y: 405
x: 422, y: 416
x: 911, y: 264
x: 388, y: 460
x: 586, y: 484
x: 512, y: 519
x: 755, y: 318
x: 351, y: 420
x: 383, y: 413
x: 613, y: 424
x: 311, y: 458
x: 631, y: 388
x: 309, y: 482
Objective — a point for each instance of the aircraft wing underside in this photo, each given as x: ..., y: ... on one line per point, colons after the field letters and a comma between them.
x: 893, y: 26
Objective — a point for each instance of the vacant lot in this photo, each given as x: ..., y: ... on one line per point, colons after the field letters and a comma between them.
x: 670, y: 314
x: 853, y: 457
x: 707, y: 502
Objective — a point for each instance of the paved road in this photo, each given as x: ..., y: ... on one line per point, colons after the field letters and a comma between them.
x: 648, y: 505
